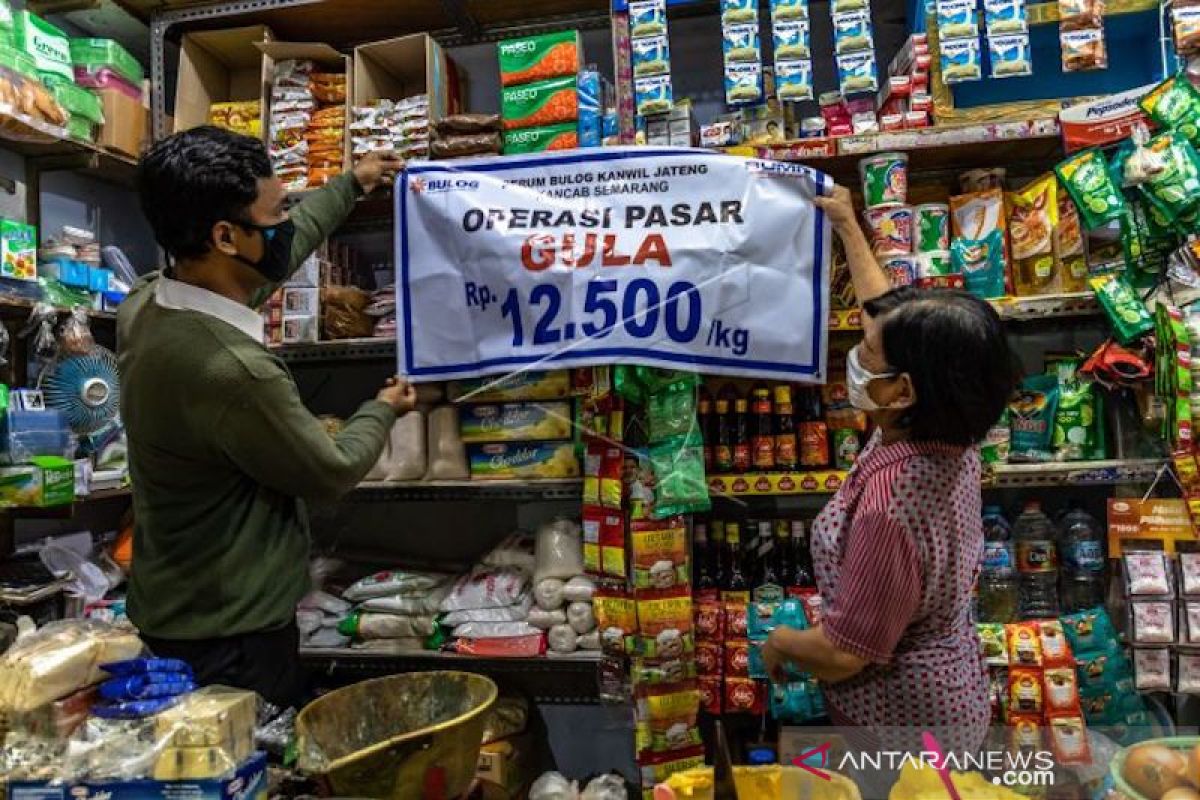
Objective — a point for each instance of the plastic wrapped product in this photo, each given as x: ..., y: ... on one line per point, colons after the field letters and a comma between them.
x: 393, y: 582
x: 447, y: 455
x: 1189, y: 573
x: 494, y: 630
x: 518, y: 612
x: 486, y: 589
x: 579, y: 589
x: 1152, y: 669
x: 559, y: 550
x: 1086, y: 178
x: 515, y: 551
x: 1146, y: 573
x: 371, y: 625
x: 1152, y: 621
x: 548, y: 592
x: 403, y: 456
x: 467, y: 124
x: 589, y: 640
x: 580, y: 617
x: 420, y: 604
x: 562, y: 639
x: 545, y: 620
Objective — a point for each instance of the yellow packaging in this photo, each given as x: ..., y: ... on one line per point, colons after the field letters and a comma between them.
x: 616, y: 619
x: 527, y: 385
x: 1033, y: 214
x: 1068, y: 246
x: 664, y: 624
x: 515, y: 422
x: 659, y: 553
x: 213, y: 717
x: 523, y: 460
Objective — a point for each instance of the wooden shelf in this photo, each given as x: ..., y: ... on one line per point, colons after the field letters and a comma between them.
x: 50, y: 149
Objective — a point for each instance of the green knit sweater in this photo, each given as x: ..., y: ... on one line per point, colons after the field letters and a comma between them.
x: 222, y: 454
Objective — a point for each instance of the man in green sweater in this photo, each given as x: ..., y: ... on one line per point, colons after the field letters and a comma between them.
x: 222, y: 452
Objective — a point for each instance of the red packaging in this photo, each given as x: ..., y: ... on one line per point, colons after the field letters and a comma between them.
x: 710, y: 694
x: 840, y: 129
x: 593, y: 461
x: 745, y: 696
x: 1024, y: 644
x: 916, y: 119
x: 1062, y: 692
x: 1055, y: 650
x: 611, y: 483
x: 1025, y: 691
x: 735, y: 621
x: 737, y: 658
x: 710, y: 658
x: 811, y: 599
x: 710, y: 621
x: 891, y: 122
x: 509, y: 647
x: 592, y: 522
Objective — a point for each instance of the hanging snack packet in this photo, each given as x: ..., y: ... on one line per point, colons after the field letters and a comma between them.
x: 745, y: 696
x: 1100, y: 668
x: 668, y: 719
x: 679, y: 467
x: 1152, y: 669
x: 1031, y: 414
x: 1083, y: 50
x: 1024, y: 732
x: 1126, y: 312
x: 1024, y: 644
x: 616, y: 619
x: 611, y: 483
x: 1175, y: 105
x: 737, y: 658
x: 981, y: 263
x: 1146, y: 573
x: 1086, y: 178
x: 1024, y: 690
x: 737, y: 621
x: 593, y: 457
x: 1074, y: 15
x: 1068, y: 246
x: 649, y: 673
x: 710, y: 658
x: 1176, y: 189
x: 1068, y: 737
x: 1062, y: 691
x: 1055, y: 650
x: 664, y: 624
x: 671, y: 410
x: 1152, y: 622
x: 710, y: 620
x: 1032, y: 217
x: 660, y: 553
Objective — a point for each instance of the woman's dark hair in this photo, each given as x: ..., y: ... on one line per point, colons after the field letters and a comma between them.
x: 190, y: 181
x: 953, y: 346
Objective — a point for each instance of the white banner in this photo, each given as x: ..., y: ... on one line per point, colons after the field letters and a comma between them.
x: 671, y: 258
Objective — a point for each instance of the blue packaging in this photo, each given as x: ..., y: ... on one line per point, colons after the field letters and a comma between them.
x: 141, y: 666
x: 797, y: 701
x: 852, y: 32
x: 590, y: 112
x: 960, y: 61
x: 1011, y: 56
x: 611, y: 125
x: 740, y: 43
x: 743, y: 83
x: 762, y: 618
x: 653, y: 95
x: 147, y: 686
x: 856, y: 72
x: 789, y: 9
x: 791, y: 39
x: 793, y: 80
x: 134, y: 709
x: 957, y: 19
x: 738, y: 12
x: 248, y: 782
x: 99, y: 279
x: 651, y: 56
x: 647, y: 18
x: 1005, y: 16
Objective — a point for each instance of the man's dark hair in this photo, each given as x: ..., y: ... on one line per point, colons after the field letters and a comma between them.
x: 953, y: 346
x: 191, y: 180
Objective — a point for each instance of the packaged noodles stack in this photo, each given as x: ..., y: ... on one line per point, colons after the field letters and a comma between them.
x: 1081, y: 35
x: 402, y: 126
x: 854, y: 43
x: 307, y: 124
x: 793, y: 55
x: 652, y: 93
x: 958, y: 39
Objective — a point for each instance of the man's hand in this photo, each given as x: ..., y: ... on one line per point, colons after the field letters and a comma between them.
x: 839, y: 207
x: 375, y: 167
x: 399, y: 394
x: 774, y: 660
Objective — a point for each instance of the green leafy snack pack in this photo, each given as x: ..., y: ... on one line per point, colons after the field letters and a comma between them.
x: 682, y: 487
x: 1087, y: 179
x: 981, y: 263
x: 1176, y: 189
x: 1031, y: 415
x: 1125, y: 310
x: 671, y: 410
x: 1175, y: 104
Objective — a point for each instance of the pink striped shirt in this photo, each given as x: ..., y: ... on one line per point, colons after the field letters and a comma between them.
x: 896, y: 553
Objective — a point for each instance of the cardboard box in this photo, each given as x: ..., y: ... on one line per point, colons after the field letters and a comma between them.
x: 515, y: 422
x: 536, y: 58
x: 541, y: 139
x: 327, y: 59
x: 221, y: 66
x: 45, y: 481
x: 249, y: 782
x: 125, y: 122
x: 523, y: 385
x: 394, y: 69
x: 548, y: 102
x: 523, y: 460
x: 301, y: 329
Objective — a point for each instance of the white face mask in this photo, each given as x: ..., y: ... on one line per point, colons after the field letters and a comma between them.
x: 858, y: 378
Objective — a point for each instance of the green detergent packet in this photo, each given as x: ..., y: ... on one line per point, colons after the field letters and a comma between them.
x: 1031, y: 415
x: 1125, y: 310
x: 981, y: 263
x: 655, y: 378
x: 1087, y: 179
x: 1176, y: 189
x: 679, y: 466
x: 671, y: 410
x: 627, y: 385
x: 1075, y: 419
x: 1175, y: 105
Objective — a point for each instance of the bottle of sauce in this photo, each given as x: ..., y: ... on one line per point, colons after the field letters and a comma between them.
x: 786, y: 447
x: 770, y: 578
x: 762, y: 442
x: 741, y: 435
x: 783, y: 552
x: 737, y: 585
x: 814, y: 432
x: 704, y: 419
x: 702, y: 559
x: 723, y: 432
x: 716, y: 533
x: 801, y: 557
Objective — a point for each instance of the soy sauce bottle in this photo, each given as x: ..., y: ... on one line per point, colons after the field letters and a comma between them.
x: 741, y: 435
x: 704, y: 419
x: 785, y: 429
x: 723, y: 431
x: 763, y: 440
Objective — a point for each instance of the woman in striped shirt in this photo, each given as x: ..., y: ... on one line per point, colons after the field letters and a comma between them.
x: 897, y: 549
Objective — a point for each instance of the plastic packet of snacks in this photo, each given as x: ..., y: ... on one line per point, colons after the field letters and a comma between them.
x: 1083, y: 49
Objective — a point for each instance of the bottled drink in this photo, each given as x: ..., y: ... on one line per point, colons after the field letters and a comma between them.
x: 1037, y: 563
x: 1083, y: 559
x: 741, y: 435
x: 786, y: 457
x: 801, y: 558
x: 998, y: 590
x: 783, y: 552
x: 723, y: 433
x: 814, y: 432
x: 762, y: 440
x: 704, y: 419
x: 735, y: 578
x: 716, y: 532
x: 701, y: 558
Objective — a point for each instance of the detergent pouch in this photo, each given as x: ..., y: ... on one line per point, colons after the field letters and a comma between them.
x: 1088, y: 630
x: 679, y: 465
x: 981, y: 263
x: 957, y: 19
x: 796, y: 701
x: 1128, y: 315
x: 791, y: 39
x: 1176, y: 188
x: 789, y: 9
x: 1031, y: 415
x: 1075, y: 420
x: 1010, y: 55
x: 1004, y: 16
x: 1087, y: 179
x: 1175, y: 105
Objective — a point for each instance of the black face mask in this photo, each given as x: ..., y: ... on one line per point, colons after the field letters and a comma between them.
x: 277, y: 249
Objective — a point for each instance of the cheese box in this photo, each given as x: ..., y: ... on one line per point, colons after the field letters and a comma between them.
x: 515, y: 422
x: 523, y: 460
x: 526, y: 385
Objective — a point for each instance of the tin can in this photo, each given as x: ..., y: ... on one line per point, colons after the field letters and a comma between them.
x: 891, y: 230
x: 901, y: 270
x: 932, y: 224
x: 845, y: 447
x: 884, y: 179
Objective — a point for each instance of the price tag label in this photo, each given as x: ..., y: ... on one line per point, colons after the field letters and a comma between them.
x: 663, y: 257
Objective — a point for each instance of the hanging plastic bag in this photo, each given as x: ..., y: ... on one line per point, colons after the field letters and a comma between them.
x: 682, y: 487
x: 671, y: 410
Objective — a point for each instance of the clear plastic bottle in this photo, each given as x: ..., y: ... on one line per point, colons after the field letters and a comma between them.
x: 1083, y: 578
x: 1037, y: 562
x: 998, y: 590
